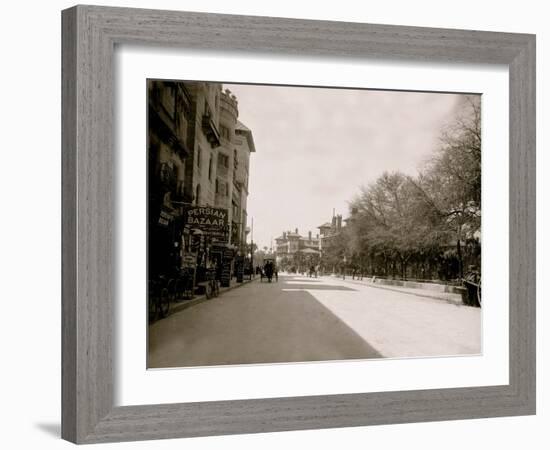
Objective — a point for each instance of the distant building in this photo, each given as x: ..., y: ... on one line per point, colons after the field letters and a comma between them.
x: 328, y: 231
x: 291, y: 248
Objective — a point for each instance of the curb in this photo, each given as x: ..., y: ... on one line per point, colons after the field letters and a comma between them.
x: 416, y: 294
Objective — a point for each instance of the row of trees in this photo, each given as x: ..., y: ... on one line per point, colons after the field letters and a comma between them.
x: 422, y: 227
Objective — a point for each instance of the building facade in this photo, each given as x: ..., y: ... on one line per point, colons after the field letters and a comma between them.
x: 295, y: 252
x: 328, y: 231
x: 198, y: 155
x: 330, y: 249
x: 170, y: 145
x: 243, y: 147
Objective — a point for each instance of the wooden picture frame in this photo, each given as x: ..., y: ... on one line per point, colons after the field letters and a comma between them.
x: 90, y: 34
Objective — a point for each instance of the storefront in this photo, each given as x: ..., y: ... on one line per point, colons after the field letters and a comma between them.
x: 164, y: 242
x: 206, y: 234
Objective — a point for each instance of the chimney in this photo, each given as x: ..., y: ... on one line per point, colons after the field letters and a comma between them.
x: 334, y: 221
x: 339, y: 221
x: 317, y: 235
x: 309, y: 235
x: 284, y: 234
x: 296, y: 230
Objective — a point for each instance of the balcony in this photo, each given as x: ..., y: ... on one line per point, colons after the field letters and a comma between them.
x: 210, y: 131
x: 167, y: 176
x: 169, y: 126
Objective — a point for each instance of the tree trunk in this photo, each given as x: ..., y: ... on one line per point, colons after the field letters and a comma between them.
x: 459, y: 255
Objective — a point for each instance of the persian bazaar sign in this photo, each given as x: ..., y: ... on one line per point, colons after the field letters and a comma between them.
x: 207, y: 219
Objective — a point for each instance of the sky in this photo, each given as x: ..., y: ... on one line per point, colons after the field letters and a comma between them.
x: 315, y: 148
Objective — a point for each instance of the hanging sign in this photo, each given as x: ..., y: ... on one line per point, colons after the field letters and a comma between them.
x: 211, y: 221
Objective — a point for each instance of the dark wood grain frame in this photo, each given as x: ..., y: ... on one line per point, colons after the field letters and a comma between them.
x: 89, y: 37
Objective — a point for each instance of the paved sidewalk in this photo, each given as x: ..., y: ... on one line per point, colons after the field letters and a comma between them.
x: 184, y: 304
x: 427, y: 293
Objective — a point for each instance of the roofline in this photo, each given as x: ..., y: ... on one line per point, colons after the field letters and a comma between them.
x: 249, y: 138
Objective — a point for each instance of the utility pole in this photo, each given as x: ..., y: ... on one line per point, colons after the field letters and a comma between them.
x: 252, y: 246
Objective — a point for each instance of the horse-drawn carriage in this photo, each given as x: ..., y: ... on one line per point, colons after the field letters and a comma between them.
x: 269, y: 271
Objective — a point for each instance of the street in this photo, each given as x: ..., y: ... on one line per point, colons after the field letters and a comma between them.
x: 312, y: 319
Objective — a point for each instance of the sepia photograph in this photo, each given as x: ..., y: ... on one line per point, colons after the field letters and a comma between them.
x: 291, y: 224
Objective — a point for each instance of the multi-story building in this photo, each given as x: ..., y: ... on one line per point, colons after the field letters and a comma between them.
x: 200, y: 170
x: 293, y: 249
x: 233, y: 168
x: 332, y: 251
x: 170, y: 141
x: 328, y: 231
x: 243, y: 146
x: 199, y: 154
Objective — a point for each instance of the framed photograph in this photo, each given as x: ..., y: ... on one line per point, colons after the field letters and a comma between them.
x: 268, y: 222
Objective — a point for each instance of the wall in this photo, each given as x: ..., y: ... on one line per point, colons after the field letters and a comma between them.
x: 30, y: 227
x: 245, y: 153
x: 204, y: 159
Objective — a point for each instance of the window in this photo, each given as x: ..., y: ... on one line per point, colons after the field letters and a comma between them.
x: 181, y: 115
x: 167, y: 175
x: 223, y: 160
x: 210, y: 168
x: 180, y: 189
x: 222, y: 188
x: 168, y: 99
x: 199, y: 156
x: 198, y: 194
x: 225, y: 132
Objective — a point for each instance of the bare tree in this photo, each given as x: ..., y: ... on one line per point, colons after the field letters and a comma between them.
x: 452, y: 180
x: 399, y: 218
